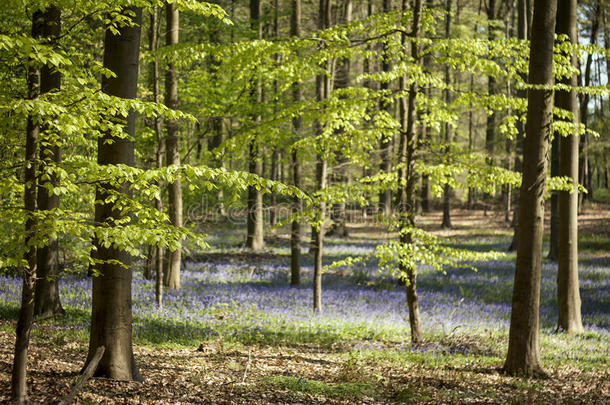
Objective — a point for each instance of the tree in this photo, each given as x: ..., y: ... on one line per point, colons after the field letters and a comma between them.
x: 172, y: 146
x: 523, y: 349
x: 26, y: 312
x: 385, y: 144
x: 297, y: 205
x: 46, y: 296
x: 568, y: 294
x: 158, y: 256
x: 408, y: 180
x: 322, y: 92
x: 255, y: 237
x: 448, y: 137
x: 111, y: 300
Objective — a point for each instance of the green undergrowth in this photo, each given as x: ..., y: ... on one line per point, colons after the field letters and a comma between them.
x: 342, y: 390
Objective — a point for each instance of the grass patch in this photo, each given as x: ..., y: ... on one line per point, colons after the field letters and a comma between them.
x: 342, y: 390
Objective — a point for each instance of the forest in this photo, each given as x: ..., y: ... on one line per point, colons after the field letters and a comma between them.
x: 300, y: 202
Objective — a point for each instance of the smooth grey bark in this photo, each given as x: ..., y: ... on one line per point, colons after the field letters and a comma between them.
x: 408, y: 179
x: 26, y: 311
x: 295, y: 227
x: 255, y: 237
x: 523, y: 355
x: 172, y: 148
x: 46, y: 296
x: 568, y: 294
x: 111, y: 317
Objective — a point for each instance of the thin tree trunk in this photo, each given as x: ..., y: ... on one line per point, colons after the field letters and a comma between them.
x: 448, y: 136
x: 255, y: 237
x: 554, y: 235
x: 322, y: 92
x: 172, y: 148
x: 568, y: 294
x: 342, y: 80
x: 523, y: 30
x: 584, y: 107
x: 523, y: 355
x: 295, y: 234
x: 408, y: 179
x: 46, y: 297
x: 26, y: 311
x: 111, y: 301
x: 159, y: 252
x: 385, y: 144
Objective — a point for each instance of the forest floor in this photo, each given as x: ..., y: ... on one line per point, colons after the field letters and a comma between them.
x: 236, y: 333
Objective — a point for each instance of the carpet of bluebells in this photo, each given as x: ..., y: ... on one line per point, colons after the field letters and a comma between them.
x: 252, y: 302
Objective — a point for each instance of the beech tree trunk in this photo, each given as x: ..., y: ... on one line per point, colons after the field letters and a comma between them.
x: 46, y: 297
x: 26, y: 311
x: 295, y: 231
x: 255, y: 237
x: 523, y: 356
x: 523, y: 30
x: 339, y: 172
x: 584, y: 106
x: 448, y: 136
x: 172, y: 148
x: 385, y: 144
x: 158, y: 255
x: 408, y: 179
x: 322, y: 92
x: 111, y: 302
x: 554, y: 234
x: 568, y: 294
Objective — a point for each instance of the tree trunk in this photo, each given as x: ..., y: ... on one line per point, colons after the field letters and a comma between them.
x: 342, y: 80
x: 172, y: 148
x: 408, y: 179
x: 111, y: 302
x: 554, y: 235
x: 318, y: 236
x: 522, y: 33
x: 523, y: 349
x: 26, y: 311
x: 385, y: 144
x: 568, y: 294
x: 584, y: 106
x: 255, y: 238
x: 448, y: 136
x: 159, y: 253
x: 322, y: 92
x: 46, y: 297
x: 295, y: 232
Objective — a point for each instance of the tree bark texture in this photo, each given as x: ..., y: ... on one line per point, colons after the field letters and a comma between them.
x: 295, y: 227
x: 26, y: 311
x: 172, y: 148
x: 255, y: 237
x: 523, y: 347
x: 322, y: 92
x: 385, y: 144
x: 46, y: 297
x: 568, y: 294
x: 446, y: 223
x: 407, y: 181
x: 111, y: 318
